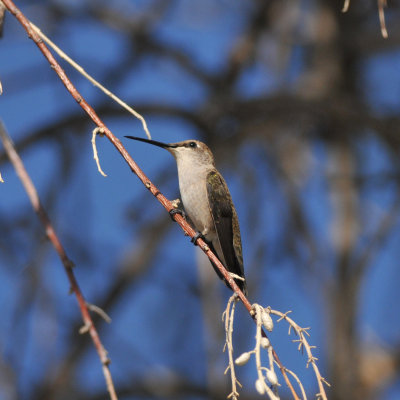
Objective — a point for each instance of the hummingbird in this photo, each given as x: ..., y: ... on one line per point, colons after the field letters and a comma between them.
x: 208, y: 204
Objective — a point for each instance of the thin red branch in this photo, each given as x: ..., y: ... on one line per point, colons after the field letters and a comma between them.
x: 67, y: 263
x: 188, y: 230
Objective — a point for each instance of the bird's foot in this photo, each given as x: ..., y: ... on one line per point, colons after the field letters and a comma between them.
x: 176, y: 210
x: 197, y: 236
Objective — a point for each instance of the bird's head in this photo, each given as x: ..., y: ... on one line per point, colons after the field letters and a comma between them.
x: 186, y: 152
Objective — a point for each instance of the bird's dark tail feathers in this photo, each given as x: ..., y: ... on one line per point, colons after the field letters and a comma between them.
x: 242, y: 284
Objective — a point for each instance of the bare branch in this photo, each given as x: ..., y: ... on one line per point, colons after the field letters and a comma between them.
x: 303, y: 344
x: 381, y: 5
x: 228, y: 315
x: 67, y: 263
x: 91, y: 79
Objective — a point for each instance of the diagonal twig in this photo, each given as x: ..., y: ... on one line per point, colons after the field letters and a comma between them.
x: 67, y: 263
x: 91, y: 79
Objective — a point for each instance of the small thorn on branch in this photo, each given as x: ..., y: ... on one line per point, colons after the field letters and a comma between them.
x: 85, y: 328
x: 325, y: 381
x: 99, y: 311
x: 346, y: 6
x: 175, y: 203
x: 237, y: 277
x: 284, y: 315
x: 106, y: 361
x: 69, y: 264
x: 97, y: 131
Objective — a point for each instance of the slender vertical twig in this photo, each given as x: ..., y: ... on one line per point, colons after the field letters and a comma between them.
x: 381, y: 12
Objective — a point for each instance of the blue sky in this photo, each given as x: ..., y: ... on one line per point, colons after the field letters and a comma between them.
x: 93, y: 217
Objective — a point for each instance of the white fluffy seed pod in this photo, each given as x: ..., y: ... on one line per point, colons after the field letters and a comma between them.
x: 242, y: 359
x: 260, y: 386
x: 272, y: 378
x: 267, y: 321
x: 265, y: 343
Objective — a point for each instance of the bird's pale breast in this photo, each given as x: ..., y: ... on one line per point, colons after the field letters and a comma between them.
x: 195, y: 201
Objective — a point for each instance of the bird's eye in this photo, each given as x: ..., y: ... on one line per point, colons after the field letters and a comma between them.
x: 192, y: 144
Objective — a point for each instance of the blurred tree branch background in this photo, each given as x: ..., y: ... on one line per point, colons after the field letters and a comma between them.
x: 300, y: 105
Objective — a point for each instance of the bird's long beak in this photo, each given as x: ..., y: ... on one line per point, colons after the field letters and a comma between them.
x: 154, y: 142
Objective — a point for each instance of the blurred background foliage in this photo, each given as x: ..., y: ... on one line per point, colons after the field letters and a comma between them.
x: 300, y: 105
